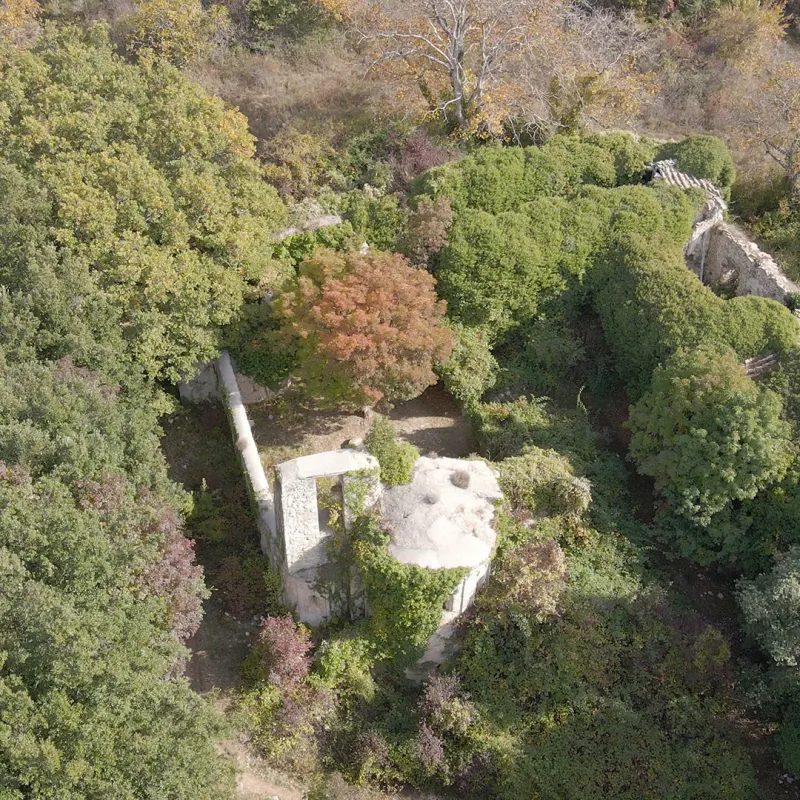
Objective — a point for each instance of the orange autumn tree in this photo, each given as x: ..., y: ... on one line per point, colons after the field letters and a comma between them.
x: 368, y: 327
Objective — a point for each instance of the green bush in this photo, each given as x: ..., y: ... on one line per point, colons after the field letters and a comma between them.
x: 405, y: 601
x: 704, y: 157
x: 290, y: 17
x: 491, y: 272
x: 618, y: 677
x: 643, y: 285
x: 471, y: 369
x: 770, y: 605
x: 542, y: 481
x: 499, y: 179
x: 509, y: 429
x: 708, y: 434
x: 631, y: 154
x: 396, y: 458
x: 378, y: 218
x: 259, y: 348
x: 301, y: 246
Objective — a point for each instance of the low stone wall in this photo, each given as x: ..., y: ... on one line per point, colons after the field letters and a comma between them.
x: 731, y: 259
x: 257, y: 484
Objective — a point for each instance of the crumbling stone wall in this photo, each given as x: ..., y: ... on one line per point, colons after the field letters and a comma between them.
x: 314, y: 585
x: 733, y: 260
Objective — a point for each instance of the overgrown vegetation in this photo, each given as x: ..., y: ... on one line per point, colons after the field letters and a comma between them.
x: 539, y: 279
x: 396, y: 458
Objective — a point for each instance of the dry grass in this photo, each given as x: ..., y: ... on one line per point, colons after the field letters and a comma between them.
x: 319, y: 82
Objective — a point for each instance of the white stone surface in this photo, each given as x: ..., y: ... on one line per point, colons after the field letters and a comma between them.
x: 731, y: 254
x: 257, y: 483
x: 437, y: 524
x: 327, y: 465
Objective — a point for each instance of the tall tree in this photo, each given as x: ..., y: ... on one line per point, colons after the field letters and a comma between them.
x: 486, y: 64
x: 134, y: 206
x: 368, y: 327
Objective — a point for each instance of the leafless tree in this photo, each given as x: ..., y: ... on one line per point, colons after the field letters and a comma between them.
x: 481, y: 63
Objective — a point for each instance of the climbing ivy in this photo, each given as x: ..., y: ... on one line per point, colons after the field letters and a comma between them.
x: 405, y: 601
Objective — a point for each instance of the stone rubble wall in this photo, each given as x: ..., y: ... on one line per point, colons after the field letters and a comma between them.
x: 732, y: 259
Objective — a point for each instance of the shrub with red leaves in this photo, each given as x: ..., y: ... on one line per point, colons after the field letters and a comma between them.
x: 284, y: 648
x: 418, y: 154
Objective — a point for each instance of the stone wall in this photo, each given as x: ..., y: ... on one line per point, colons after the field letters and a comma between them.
x: 730, y: 260
x: 316, y: 587
x: 258, y: 486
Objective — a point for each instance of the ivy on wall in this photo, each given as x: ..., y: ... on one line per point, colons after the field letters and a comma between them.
x: 405, y: 601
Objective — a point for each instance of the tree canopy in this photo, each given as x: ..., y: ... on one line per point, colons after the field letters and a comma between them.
x: 368, y: 327
x: 130, y: 196
x: 708, y: 434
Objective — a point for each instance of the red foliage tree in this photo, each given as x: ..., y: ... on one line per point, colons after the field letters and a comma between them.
x: 368, y: 327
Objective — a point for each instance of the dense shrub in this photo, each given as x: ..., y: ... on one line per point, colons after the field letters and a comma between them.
x: 378, y: 218
x: 182, y: 31
x: 708, y: 434
x: 405, y: 601
x: 542, y: 481
x: 705, y: 157
x: 471, y: 369
x: 529, y: 581
x: 300, y: 246
x: 644, y: 286
x: 491, y: 272
x: 300, y: 162
x: 631, y: 155
x: 367, y: 327
x: 787, y: 743
x: 248, y: 585
x: 509, y: 429
x: 618, y: 678
x: 785, y: 381
x: 99, y: 589
x: 396, y: 458
x: 497, y: 180
x: 417, y: 154
x: 427, y: 229
x: 770, y: 605
x: 282, y: 650
x: 258, y: 346
x: 289, y: 17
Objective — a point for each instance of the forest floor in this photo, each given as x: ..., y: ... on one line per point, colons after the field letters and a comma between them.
x: 200, y: 452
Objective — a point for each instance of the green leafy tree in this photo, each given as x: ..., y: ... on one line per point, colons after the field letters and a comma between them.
x: 771, y: 608
x: 99, y: 589
x: 135, y: 220
x: 708, y: 434
x: 367, y: 327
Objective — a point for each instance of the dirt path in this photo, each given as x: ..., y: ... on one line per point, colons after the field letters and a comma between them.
x: 286, y: 430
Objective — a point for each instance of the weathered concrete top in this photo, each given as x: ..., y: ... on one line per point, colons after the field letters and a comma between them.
x: 326, y: 465
x: 443, y: 518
